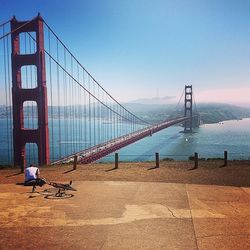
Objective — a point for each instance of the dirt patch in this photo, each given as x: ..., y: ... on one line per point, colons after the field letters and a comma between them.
x: 237, y: 173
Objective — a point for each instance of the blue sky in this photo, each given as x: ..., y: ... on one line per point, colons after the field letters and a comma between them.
x: 136, y: 47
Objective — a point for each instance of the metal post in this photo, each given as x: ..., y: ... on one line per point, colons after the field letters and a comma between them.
x: 116, y: 160
x: 225, y: 158
x: 196, y: 157
x: 157, y: 160
x: 75, y: 162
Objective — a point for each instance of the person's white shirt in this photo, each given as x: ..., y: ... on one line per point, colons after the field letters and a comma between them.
x: 31, y: 173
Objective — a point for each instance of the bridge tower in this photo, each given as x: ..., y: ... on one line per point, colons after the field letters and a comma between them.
x: 22, y: 135
x: 188, y: 126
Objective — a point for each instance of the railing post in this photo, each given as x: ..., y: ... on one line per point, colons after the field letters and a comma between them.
x: 225, y: 158
x: 157, y: 160
x: 196, y: 157
x: 116, y: 160
x: 75, y: 162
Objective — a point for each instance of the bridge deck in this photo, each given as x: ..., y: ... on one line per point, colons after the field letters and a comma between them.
x: 97, y: 152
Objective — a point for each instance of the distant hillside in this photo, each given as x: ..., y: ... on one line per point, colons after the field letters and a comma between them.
x: 151, y: 112
x: 209, y: 112
x: 213, y: 113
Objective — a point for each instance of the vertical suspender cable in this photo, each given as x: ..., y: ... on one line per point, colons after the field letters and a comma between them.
x: 71, y: 110
x: 9, y: 117
x: 120, y: 120
x: 27, y: 107
x: 78, y: 132
x: 58, y: 101
x: 65, y: 116
x: 51, y: 101
x: 99, y: 118
x: 31, y: 86
x: 85, y: 112
x: 74, y: 106
x: 89, y: 116
x: 34, y: 110
x: 94, y: 118
x: 113, y: 119
x: 116, y: 120
x: 108, y: 121
x: 6, y: 99
x: 103, y: 118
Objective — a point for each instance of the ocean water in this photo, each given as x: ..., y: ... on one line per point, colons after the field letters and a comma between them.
x: 209, y: 141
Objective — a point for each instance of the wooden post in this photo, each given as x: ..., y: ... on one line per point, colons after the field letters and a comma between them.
x: 196, y: 157
x: 75, y: 162
x: 116, y: 160
x: 157, y: 160
x: 23, y: 162
x: 225, y: 158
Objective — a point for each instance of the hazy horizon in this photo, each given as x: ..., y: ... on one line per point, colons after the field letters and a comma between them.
x: 141, y: 49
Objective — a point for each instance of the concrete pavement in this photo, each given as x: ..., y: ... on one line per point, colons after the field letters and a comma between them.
x: 126, y: 215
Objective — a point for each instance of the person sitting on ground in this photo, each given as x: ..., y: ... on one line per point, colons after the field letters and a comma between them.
x: 32, y: 177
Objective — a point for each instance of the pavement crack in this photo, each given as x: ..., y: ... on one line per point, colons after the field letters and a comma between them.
x: 171, y: 212
x: 192, y: 218
x: 102, y: 245
x: 222, y: 235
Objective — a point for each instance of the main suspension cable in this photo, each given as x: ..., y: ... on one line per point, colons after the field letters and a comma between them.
x: 75, y: 80
x: 145, y: 122
x: 20, y: 27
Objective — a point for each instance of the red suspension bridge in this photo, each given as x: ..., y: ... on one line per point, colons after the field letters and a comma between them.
x: 52, y: 108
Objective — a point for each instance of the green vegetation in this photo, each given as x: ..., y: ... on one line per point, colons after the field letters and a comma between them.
x: 167, y: 159
x: 191, y: 158
x: 214, y: 113
x: 215, y: 159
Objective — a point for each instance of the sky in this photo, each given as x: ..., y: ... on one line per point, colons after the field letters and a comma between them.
x: 147, y: 48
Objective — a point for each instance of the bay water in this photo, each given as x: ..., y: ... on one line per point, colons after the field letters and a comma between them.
x: 209, y: 141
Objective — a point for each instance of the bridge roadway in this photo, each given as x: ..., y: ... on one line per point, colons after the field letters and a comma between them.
x: 97, y: 152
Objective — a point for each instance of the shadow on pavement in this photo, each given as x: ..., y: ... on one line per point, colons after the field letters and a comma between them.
x: 153, y: 168
x: 108, y: 170
x: 12, y: 175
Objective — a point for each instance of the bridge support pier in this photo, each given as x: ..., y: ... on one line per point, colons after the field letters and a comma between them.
x: 22, y: 135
